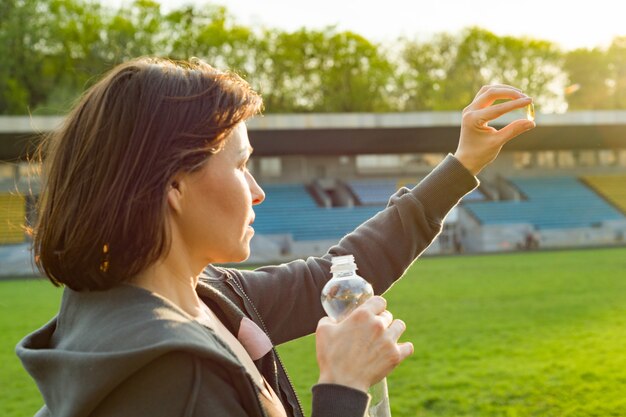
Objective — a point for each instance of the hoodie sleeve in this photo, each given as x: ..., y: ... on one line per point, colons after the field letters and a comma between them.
x: 288, y: 296
x: 331, y: 400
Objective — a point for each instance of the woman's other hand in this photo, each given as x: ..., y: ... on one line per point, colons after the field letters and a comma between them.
x: 480, y: 143
x: 363, y: 348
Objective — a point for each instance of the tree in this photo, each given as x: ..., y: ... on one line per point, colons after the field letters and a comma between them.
x: 53, y: 49
x: 209, y: 32
x: 21, y: 27
x: 589, y: 75
x: 599, y: 76
x: 74, y: 46
x: 50, y: 49
x: 321, y: 71
x: 424, y: 71
x: 616, y: 56
x: 448, y: 70
x: 135, y: 31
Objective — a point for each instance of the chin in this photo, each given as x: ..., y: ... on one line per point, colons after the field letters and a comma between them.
x: 245, y: 255
x: 241, y: 256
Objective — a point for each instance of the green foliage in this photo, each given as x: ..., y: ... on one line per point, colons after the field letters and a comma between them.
x: 209, y: 32
x: 589, y: 70
x: 321, y: 71
x: 135, y: 30
x: 21, y: 28
x: 599, y: 76
x: 446, y: 72
x: 617, y: 63
x: 53, y: 49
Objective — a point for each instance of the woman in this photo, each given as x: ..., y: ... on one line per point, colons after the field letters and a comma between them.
x: 146, y: 185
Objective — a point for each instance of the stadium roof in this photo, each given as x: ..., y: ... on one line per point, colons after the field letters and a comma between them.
x: 361, y: 133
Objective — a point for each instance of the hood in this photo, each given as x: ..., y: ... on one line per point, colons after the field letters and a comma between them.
x: 99, y: 339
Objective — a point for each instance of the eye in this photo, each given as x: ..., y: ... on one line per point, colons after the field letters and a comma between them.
x: 244, y: 165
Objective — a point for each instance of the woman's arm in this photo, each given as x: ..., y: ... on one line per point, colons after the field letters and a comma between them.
x: 287, y: 296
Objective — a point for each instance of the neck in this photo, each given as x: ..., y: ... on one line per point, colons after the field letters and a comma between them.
x: 174, y: 279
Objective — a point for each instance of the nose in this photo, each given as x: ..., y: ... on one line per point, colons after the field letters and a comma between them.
x: 258, y: 195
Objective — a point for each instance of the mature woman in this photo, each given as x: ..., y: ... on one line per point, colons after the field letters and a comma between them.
x: 145, y: 185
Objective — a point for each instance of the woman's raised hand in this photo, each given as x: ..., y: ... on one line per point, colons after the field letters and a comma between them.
x: 480, y: 143
x: 363, y: 348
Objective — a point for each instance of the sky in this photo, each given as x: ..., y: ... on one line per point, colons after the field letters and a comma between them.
x: 571, y: 24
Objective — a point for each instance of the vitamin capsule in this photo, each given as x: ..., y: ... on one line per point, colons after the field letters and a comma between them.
x: 530, y: 112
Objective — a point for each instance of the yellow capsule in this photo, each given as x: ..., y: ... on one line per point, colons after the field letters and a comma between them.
x: 105, y: 248
x: 530, y: 112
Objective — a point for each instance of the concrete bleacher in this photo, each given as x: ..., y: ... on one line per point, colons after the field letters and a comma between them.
x: 378, y: 191
x: 12, y: 218
x: 281, y: 202
x: 316, y: 224
x: 373, y: 192
x: 611, y: 187
x: 17, y: 260
x: 475, y: 195
x: 551, y: 203
x: 290, y: 210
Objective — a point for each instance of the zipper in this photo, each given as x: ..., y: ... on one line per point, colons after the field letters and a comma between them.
x: 256, y: 312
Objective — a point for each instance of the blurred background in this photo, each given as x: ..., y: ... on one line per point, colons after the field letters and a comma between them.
x: 351, y: 116
x: 362, y: 98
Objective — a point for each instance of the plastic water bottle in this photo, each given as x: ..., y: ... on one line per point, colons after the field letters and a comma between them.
x: 340, y: 296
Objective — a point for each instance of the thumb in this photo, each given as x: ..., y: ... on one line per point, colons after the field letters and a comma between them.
x: 406, y: 349
x: 514, y: 129
x: 325, y: 321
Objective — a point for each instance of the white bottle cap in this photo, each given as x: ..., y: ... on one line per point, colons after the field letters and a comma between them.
x: 343, y: 263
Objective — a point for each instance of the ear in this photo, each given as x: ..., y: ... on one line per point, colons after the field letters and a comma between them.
x: 175, y: 194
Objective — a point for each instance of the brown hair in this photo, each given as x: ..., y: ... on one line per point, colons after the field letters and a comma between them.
x: 107, y: 169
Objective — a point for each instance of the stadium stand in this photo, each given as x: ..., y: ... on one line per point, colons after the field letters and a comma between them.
x: 567, y: 184
x: 12, y: 217
x: 290, y: 210
x: 475, y: 195
x: 551, y: 203
x: 286, y: 197
x: 373, y: 191
x: 378, y: 191
x: 611, y: 187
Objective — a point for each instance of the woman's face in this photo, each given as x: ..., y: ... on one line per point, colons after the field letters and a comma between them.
x: 214, y: 214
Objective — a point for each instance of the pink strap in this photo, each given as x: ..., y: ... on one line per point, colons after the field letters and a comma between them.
x: 253, y: 339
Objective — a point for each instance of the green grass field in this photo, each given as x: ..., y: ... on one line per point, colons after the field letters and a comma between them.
x: 529, y: 334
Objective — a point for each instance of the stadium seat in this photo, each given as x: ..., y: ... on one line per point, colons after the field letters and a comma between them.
x: 551, y: 203
x: 373, y: 192
x: 290, y: 210
x: 611, y: 187
x: 378, y: 191
x: 12, y: 218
